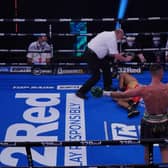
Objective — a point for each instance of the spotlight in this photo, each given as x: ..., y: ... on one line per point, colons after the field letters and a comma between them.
x: 121, y: 11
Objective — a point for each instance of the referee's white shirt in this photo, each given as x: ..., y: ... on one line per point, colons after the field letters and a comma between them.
x: 104, y: 43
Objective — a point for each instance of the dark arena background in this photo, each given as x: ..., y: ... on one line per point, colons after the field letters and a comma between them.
x: 43, y: 123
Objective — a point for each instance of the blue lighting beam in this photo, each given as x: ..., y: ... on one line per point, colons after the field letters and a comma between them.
x: 121, y: 11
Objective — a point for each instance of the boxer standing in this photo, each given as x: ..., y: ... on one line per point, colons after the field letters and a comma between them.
x: 154, y: 123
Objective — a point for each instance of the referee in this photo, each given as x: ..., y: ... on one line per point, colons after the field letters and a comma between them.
x: 98, y: 50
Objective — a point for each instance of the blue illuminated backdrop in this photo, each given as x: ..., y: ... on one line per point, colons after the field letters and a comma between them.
x: 78, y: 28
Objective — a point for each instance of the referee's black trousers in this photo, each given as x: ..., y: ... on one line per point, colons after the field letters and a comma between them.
x: 95, y: 65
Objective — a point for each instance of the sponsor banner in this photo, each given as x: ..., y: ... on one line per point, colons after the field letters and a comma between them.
x: 75, y: 131
x: 122, y: 131
x: 20, y: 69
x: 41, y: 71
x: 122, y: 69
x: 32, y: 87
x: 68, y: 87
x: 46, y: 87
x: 38, y: 119
x: 4, y: 69
x: 27, y: 69
x: 61, y: 70
x: 129, y: 70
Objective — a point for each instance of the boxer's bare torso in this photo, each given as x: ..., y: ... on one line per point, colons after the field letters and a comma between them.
x: 155, y: 97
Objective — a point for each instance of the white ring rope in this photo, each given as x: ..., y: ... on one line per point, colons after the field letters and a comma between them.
x: 82, y: 19
x: 75, y: 51
x: 77, y: 34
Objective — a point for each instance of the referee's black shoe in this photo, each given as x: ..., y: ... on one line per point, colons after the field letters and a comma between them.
x: 81, y: 95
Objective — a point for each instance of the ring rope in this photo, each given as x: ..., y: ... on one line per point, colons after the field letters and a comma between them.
x: 23, y: 51
x: 82, y: 19
x: 136, y: 64
x: 77, y: 34
x: 40, y: 34
x: 146, y: 49
x: 71, y: 51
x: 70, y: 143
x: 84, y: 143
x: 28, y: 146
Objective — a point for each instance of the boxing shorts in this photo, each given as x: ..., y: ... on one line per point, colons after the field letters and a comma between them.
x: 133, y: 85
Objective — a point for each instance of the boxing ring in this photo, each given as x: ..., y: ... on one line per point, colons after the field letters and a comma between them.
x: 44, y: 124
